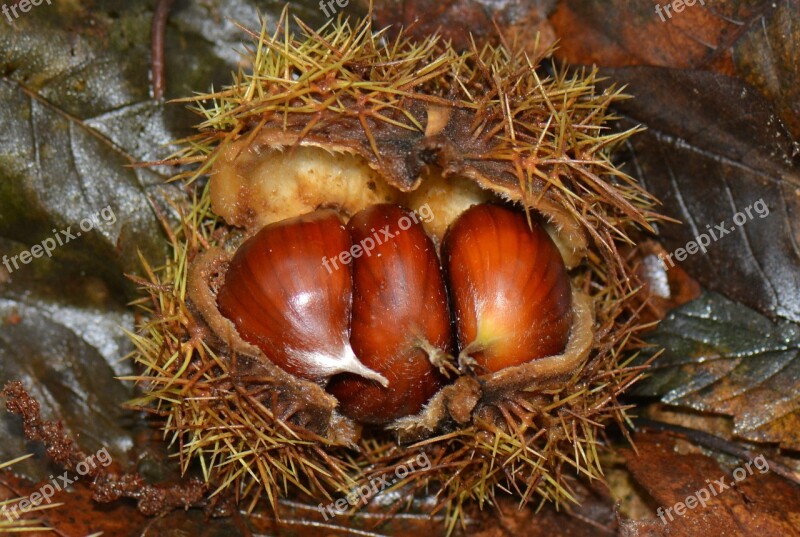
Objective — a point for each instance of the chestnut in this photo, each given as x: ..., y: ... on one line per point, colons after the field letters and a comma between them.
x: 282, y: 299
x: 511, y: 293
x: 401, y: 323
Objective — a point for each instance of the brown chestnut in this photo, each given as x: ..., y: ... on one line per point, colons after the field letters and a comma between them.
x: 283, y: 300
x: 401, y: 322
x: 510, y: 290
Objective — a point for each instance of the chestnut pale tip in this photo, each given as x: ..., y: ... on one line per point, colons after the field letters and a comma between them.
x: 326, y: 365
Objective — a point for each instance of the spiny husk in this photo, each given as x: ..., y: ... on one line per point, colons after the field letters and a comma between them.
x: 227, y: 425
x: 540, y: 141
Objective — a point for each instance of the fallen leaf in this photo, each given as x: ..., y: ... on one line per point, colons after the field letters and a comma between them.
x: 720, y: 162
x: 466, y: 21
x: 757, y: 41
x: 721, y: 357
x: 759, y: 503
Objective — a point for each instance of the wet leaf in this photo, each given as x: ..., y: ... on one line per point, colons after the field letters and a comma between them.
x: 716, y: 155
x: 721, y: 357
x: 76, y: 110
x: 64, y: 354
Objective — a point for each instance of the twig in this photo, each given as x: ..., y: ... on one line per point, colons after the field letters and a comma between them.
x: 109, y: 483
x: 157, y: 32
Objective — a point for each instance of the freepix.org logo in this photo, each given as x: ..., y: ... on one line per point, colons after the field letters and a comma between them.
x: 60, y: 237
x: 378, y: 237
x: 56, y: 484
x: 703, y: 496
x: 712, y: 235
x: 328, y: 5
x: 362, y: 495
x: 23, y: 5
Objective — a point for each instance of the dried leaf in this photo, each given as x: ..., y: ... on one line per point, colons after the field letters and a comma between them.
x: 465, y: 21
x: 757, y: 41
x: 712, y: 150
x: 759, y: 503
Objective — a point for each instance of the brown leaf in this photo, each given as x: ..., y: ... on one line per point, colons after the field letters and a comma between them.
x: 756, y: 41
x: 758, y: 504
x: 712, y: 150
x: 462, y: 20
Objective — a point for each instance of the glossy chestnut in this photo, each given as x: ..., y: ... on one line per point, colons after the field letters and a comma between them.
x: 283, y: 300
x: 510, y: 290
x: 401, y: 322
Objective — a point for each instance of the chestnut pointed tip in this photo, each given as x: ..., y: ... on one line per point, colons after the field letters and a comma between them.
x: 326, y: 364
x: 467, y: 363
x: 354, y: 365
x: 443, y: 361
